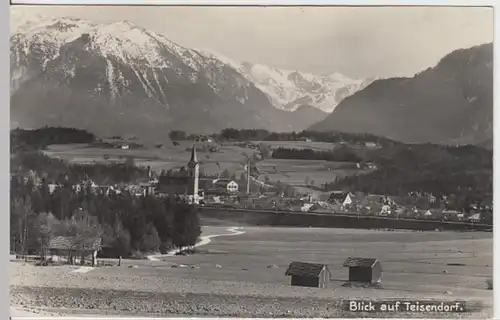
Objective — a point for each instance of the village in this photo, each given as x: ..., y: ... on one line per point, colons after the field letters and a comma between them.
x: 247, y: 192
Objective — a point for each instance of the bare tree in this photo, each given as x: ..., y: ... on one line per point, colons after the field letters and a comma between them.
x: 42, y: 229
x: 85, y: 230
x: 22, y: 210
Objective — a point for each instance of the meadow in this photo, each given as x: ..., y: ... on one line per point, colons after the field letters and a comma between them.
x: 168, y: 157
x: 230, y: 157
x: 319, y: 146
x: 296, y: 172
x: 243, y: 275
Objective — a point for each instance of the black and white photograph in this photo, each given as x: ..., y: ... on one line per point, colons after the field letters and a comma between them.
x: 251, y: 161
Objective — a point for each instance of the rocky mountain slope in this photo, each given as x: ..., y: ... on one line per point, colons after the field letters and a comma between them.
x: 451, y: 103
x: 123, y: 79
x: 288, y: 90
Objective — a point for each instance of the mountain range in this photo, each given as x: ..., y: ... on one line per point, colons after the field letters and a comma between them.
x: 451, y: 103
x: 119, y: 78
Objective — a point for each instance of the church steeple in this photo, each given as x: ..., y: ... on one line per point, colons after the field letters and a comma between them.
x: 194, y: 175
x: 194, y: 159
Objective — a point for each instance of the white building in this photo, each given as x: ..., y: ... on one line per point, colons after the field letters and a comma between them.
x: 229, y: 186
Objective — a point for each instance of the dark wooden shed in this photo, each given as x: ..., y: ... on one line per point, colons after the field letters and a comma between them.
x: 364, y: 270
x: 307, y: 274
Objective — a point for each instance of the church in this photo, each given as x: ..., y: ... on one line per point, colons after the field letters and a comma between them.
x: 183, y: 183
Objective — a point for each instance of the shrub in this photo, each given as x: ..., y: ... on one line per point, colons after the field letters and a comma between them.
x: 137, y: 255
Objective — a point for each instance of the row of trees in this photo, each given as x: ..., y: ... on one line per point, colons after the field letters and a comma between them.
x: 128, y: 225
x: 57, y: 170
x: 232, y: 134
x: 341, y: 154
x: 41, y: 138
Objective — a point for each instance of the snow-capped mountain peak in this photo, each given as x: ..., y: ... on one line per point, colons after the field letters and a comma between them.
x: 290, y: 89
x: 133, y: 45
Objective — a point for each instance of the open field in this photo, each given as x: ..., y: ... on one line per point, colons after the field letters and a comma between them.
x: 230, y: 157
x: 243, y: 275
x: 169, y: 157
x: 295, y: 172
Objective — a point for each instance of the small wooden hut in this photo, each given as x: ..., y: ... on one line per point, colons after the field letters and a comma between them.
x: 364, y: 270
x: 308, y: 274
x: 73, y: 247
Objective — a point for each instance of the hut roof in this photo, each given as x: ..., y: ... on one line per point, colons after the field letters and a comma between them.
x: 73, y: 243
x: 305, y: 269
x: 336, y: 195
x: 359, y: 262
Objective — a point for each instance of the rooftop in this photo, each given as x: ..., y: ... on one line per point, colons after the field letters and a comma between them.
x: 305, y: 269
x: 359, y: 262
x: 74, y: 243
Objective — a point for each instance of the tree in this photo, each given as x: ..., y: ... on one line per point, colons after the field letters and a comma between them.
x: 84, y: 229
x: 225, y: 174
x: 46, y: 225
x: 264, y: 151
x: 21, y: 213
x: 130, y: 162
x: 177, y: 135
x: 186, y: 225
x: 150, y: 239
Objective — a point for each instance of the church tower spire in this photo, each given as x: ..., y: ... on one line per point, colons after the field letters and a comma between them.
x: 194, y: 159
x: 194, y: 175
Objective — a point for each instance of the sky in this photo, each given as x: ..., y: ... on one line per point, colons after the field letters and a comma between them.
x: 357, y: 41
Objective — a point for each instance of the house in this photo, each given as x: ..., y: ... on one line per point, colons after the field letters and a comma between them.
x: 147, y: 188
x: 305, y: 139
x: 226, y: 185
x: 345, y: 199
x: 53, y: 187
x: 428, y: 213
x: 364, y: 270
x: 476, y: 217
x: 72, y: 247
x: 307, y: 197
x: 136, y: 190
x: 337, y: 197
x: 306, y: 207
x: 307, y: 274
x: 104, y: 190
x: 385, y: 210
x: 452, y: 213
x: 371, y: 166
x: 373, y: 204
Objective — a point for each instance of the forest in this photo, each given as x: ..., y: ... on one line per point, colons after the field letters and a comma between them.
x: 128, y: 225
x: 463, y: 173
x: 341, y: 154
x: 37, y: 139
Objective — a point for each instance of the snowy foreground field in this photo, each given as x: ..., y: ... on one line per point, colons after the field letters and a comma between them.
x: 242, y: 275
